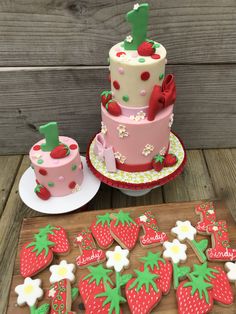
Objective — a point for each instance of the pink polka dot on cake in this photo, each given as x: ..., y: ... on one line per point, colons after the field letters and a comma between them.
x: 73, y: 146
x: 116, y: 84
x: 121, y: 70
x: 145, y: 76
x: 143, y: 92
x: 117, y: 49
x: 134, y: 55
x: 36, y: 147
x: 155, y: 56
x: 61, y: 178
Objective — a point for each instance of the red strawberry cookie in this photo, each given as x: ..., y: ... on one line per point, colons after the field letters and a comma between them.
x: 101, y: 231
x: 90, y: 255
x: 152, y: 236
x: 207, y: 216
x: 160, y: 267
x: 35, y: 256
x: 221, y: 250
x: 142, y: 292
x: 124, y: 229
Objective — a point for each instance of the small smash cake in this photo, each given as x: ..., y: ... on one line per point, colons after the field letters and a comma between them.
x: 56, y: 163
x: 137, y: 113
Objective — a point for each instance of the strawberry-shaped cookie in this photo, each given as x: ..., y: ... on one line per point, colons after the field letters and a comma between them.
x: 221, y: 250
x: 152, y: 236
x: 101, y: 231
x: 60, y: 151
x: 161, y: 267
x: 42, y: 192
x: 194, y: 296
x: 57, y: 235
x: 35, y: 256
x: 94, y: 282
x: 158, y: 162
x: 124, y: 229
x: 207, y: 216
x: 106, y: 96
x: 170, y: 160
x: 142, y: 292
x: 221, y: 289
x: 90, y: 255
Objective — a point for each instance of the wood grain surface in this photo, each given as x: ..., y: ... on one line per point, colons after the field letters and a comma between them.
x: 167, y: 214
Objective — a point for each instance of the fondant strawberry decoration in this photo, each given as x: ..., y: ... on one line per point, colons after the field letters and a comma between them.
x: 101, y: 231
x: 146, y: 48
x: 194, y: 296
x: 94, y: 282
x: 42, y: 192
x: 221, y: 289
x: 158, y: 162
x: 60, y: 151
x: 124, y: 229
x: 113, y: 108
x: 161, y: 267
x: 35, y: 256
x: 105, y: 97
x: 170, y: 160
x: 142, y: 292
x: 58, y: 236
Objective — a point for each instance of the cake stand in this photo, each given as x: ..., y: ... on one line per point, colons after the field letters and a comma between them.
x: 58, y: 205
x: 138, y: 183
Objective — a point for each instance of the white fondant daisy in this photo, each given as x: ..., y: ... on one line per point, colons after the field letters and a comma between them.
x: 62, y: 271
x: 147, y: 149
x: 231, y: 268
x: 162, y: 151
x: 122, y: 131
x: 184, y: 230
x: 117, y: 258
x: 76, y: 188
x: 103, y: 128
x: 171, y: 120
x: 175, y: 250
x: 29, y: 292
x: 143, y: 218
x: 129, y: 39
x: 136, y: 6
x: 120, y: 157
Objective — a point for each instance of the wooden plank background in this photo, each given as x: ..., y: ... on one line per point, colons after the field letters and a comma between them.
x: 53, y: 57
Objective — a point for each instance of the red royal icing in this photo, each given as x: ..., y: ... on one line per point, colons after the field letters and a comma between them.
x: 72, y: 184
x: 116, y: 84
x: 36, y: 147
x: 120, y: 53
x: 73, y: 146
x: 207, y: 216
x: 155, y: 56
x: 145, y: 76
x: 43, y: 171
x: 59, y: 294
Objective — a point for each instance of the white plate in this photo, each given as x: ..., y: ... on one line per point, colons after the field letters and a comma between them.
x: 58, y: 205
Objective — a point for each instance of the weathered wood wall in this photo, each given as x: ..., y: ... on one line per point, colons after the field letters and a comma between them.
x: 53, y: 57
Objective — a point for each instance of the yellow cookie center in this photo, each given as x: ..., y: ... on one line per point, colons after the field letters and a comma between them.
x: 175, y: 249
x: 62, y: 271
x: 117, y: 257
x: 184, y: 229
x: 28, y: 289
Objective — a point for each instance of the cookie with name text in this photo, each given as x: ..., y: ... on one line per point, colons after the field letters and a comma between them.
x: 207, y: 216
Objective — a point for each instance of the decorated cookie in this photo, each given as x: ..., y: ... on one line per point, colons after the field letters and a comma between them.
x: 90, y: 255
x: 62, y: 271
x: 101, y: 231
x: 185, y: 231
x: 124, y: 229
x: 94, y: 282
x: 35, y: 256
x: 176, y: 252
x: 152, y: 236
x: 221, y: 250
x: 142, y: 292
x: 29, y: 293
x: 221, y: 290
x: 61, y: 296
x: 160, y: 267
x: 58, y: 236
x: 117, y: 259
x: 207, y: 216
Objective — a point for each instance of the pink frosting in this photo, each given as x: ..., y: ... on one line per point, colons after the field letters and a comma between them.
x: 59, y: 172
x: 140, y: 134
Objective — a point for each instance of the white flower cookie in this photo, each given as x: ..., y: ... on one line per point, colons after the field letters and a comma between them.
x: 62, y: 271
x: 231, y: 269
x: 117, y: 258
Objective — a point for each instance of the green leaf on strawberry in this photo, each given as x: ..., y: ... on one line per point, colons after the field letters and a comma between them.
x: 41, y: 243
x: 144, y: 278
x: 47, y: 230
x: 158, y: 158
x: 123, y: 218
x: 203, y: 271
x: 106, y: 93
x: 199, y: 285
x: 103, y: 219
x: 113, y: 297
x: 98, y: 274
x: 152, y: 260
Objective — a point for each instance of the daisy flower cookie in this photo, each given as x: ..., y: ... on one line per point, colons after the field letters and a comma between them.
x: 117, y: 259
x: 231, y: 271
x: 176, y: 252
x: 62, y: 271
x: 185, y: 231
x: 29, y: 293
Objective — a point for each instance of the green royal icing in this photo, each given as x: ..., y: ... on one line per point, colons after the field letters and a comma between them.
x: 40, y: 161
x: 103, y: 219
x: 50, y: 131
x: 203, y: 271
x: 138, y: 19
x: 98, y: 274
x: 51, y: 184
x: 198, y: 285
x: 123, y: 218
x: 141, y: 60
x: 125, y: 98
x: 41, y: 243
x: 42, y: 309
x: 200, y: 247
x: 73, y: 167
x: 144, y: 278
x: 179, y: 273
x: 152, y: 259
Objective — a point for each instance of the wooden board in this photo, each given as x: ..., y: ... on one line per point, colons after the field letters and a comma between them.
x: 70, y: 32
x: 70, y: 96
x: 167, y: 214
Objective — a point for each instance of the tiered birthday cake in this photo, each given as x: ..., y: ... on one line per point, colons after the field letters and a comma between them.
x: 57, y: 164
x: 137, y: 113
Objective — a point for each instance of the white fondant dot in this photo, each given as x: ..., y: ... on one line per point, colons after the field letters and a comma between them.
x: 121, y: 70
x: 134, y: 55
x: 166, y: 61
x: 61, y: 178
x: 143, y: 92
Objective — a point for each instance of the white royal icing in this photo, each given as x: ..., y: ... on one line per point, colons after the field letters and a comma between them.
x: 175, y: 251
x: 62, y: 271
x: 231, y: 268
x: 29, y: 292
x: 117, y: 258
x: 143, y: 218
x: 184, y: 230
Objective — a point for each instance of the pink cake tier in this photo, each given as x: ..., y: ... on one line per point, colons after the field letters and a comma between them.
x: 60, y: 176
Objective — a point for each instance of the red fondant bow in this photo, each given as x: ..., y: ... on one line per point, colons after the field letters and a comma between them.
x: 162, y: 96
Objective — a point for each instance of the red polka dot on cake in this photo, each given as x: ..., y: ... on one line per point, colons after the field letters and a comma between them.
x: 116, y: 84
x: 72, y: 184
x: 73, y: 146
x: 36, y: 147
x: 145, y: 76
x: 43, y: 171
x: 155, y: 56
